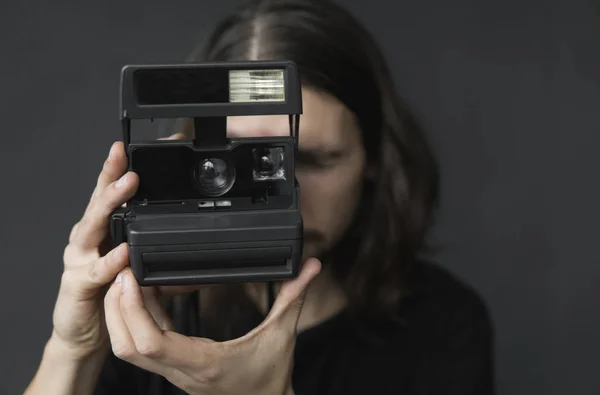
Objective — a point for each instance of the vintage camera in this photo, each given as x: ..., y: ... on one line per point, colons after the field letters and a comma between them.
x: 212, y: 209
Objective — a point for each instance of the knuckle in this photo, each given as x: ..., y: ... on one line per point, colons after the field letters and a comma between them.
x: 212, y: 373
x: 148, y: 347
x: 209, y: 369
x: 71, y: 284
x: 123, y: 351
x: 108, y: 201
x: 93, y: 272
x: 73, y: 232
x: 67, y: 279
x: 73, y: 255
x: 69, y: 253
x: 107, y: 198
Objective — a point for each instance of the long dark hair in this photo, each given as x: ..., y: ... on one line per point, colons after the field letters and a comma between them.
x: 337, y: 55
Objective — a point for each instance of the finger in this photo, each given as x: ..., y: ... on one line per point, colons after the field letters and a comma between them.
x: 146, y: 333
x: 114, y: 167
x: 151, y: 296
x: 93, y: 227
x: 176, y: 136
x: 121, y: 339
x: 166, y: 347
x: 289, y: 301
x: 84, y: 281
x: 73, y: 232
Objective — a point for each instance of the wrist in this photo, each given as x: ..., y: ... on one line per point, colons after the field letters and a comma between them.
x: 67, y: 370
x: 58, y: 348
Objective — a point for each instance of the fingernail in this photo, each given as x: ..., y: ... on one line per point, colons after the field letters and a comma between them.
x: 122, y: 181
x: 118, y: 279
x: 111, y: 152
x: 125, y: 284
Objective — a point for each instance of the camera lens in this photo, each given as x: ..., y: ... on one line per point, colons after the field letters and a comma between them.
x: 214, y: 176
x: 268, y: 164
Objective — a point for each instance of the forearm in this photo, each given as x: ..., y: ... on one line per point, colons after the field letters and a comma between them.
x: 63, y: 373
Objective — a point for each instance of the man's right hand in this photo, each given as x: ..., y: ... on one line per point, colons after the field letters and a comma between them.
x: 90, y: 264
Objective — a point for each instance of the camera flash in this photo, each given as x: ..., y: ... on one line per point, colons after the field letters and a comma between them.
x: 247, y: 86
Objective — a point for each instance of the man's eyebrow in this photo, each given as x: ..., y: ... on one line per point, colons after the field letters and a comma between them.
x: 319, y: 154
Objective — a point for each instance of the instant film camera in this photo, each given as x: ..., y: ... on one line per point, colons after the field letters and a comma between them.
x: 212, y: 209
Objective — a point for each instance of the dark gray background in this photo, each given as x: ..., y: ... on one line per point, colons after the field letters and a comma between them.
x: 509, y: 91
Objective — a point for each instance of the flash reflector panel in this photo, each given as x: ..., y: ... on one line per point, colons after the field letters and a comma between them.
x: 215, y: 89
x: 247, y: 86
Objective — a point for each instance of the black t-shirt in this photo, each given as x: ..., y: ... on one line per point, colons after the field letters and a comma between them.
x: 443, y: 344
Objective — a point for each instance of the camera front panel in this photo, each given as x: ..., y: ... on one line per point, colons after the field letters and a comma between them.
x: 246, y: 174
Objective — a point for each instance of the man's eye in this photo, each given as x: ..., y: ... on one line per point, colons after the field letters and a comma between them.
x: 316, y: 159
x: 311, y: 163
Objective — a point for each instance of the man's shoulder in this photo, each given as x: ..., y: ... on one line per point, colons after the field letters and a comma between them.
x: 446, y: 303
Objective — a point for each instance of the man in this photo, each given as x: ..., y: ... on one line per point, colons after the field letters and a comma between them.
x: 375, y: 319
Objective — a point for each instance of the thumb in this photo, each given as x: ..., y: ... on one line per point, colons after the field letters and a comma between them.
x: 289, y: 301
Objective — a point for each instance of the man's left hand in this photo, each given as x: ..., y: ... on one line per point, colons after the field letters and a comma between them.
x: 260, y: 362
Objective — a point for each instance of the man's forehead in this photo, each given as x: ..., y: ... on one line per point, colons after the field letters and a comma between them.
x: 258, y: 125
x: 322, y: 123
x: 312, y: 134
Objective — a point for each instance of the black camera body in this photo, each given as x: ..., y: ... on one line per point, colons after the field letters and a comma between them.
x: 213, y: 209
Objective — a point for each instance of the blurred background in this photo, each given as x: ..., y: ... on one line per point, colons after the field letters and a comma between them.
x: 509, y: 92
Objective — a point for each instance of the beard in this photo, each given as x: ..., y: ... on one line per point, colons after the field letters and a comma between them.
x: 315, y: 245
